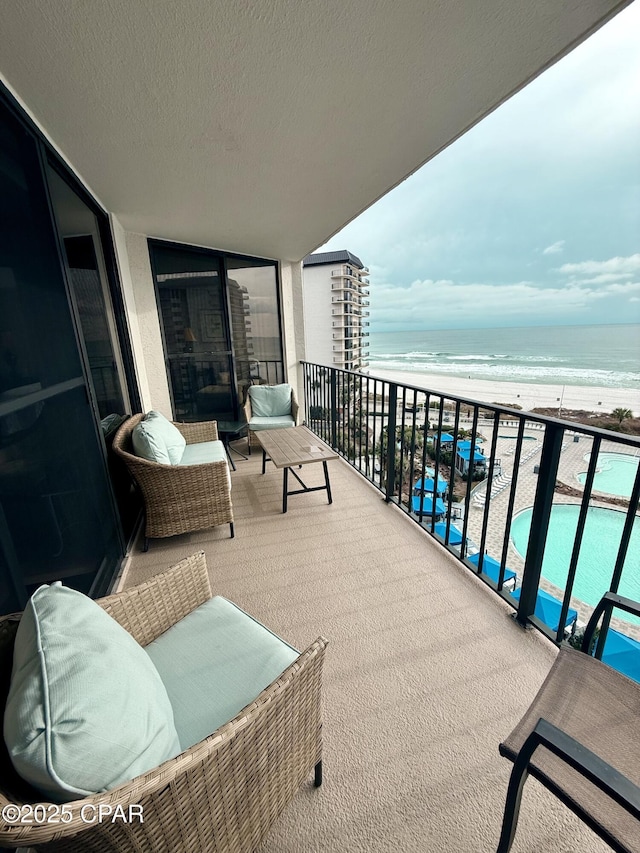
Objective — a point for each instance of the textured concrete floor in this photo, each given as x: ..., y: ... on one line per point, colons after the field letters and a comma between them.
x: 425, y: 673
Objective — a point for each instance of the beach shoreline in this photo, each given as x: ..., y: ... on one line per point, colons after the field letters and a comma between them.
x: 528, y: 395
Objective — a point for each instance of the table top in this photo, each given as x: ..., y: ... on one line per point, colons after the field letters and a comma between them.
x: 294, y: 446
x: 231, y: 427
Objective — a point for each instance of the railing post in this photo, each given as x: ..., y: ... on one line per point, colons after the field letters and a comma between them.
x: 540, y: 518
x: 334, y: 410
x: 391, y: 442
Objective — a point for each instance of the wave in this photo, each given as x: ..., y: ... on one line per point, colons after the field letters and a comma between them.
x: 477, y: 357
x: 506, y: 371
x: 417, y: 356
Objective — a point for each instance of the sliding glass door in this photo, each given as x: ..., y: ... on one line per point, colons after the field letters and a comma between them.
x: 57, y: 515
x: 220, y: 322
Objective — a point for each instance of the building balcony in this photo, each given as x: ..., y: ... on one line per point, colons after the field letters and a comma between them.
x: 425, y: 671
x: 348, y: 285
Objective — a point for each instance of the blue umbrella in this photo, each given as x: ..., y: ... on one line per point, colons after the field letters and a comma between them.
x: 548, y: 609
x: 425, y: 505
x: 622, y: 653
x: 491, y: 568
x: 444, y: 437
x: 455, y: 536
x: 428, y: 486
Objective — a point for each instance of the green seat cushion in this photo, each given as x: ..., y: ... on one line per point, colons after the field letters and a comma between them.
x: 214, y: 662
x: 271, y: 423
x: 158, y: 440
x: 203, y: 452
x: 270, y: 401
x: 86, y: 709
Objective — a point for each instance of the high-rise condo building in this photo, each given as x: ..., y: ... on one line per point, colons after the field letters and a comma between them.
x: 336, y: 309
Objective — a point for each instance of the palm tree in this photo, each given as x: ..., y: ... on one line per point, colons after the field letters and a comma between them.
x: 621, y: 414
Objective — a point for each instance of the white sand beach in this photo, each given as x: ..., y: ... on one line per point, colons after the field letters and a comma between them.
x: 527, y: 395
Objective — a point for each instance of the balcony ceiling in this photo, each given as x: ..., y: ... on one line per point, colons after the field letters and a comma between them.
x: 264, y: 127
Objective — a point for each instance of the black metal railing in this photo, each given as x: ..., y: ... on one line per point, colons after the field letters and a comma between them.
x: 464, y: 470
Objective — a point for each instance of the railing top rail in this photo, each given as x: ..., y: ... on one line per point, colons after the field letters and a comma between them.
x: 517, y: 414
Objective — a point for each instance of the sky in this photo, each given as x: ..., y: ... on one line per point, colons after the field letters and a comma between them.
x: 532, y: 217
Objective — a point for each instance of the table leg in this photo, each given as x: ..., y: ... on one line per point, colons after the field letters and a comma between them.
x: 285, y: 488
x: 264, y: 461
x: 326, y: 480
x: 228, y: 449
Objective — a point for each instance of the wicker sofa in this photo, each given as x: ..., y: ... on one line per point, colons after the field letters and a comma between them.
x: 222, y: 794
x: 179, y: 498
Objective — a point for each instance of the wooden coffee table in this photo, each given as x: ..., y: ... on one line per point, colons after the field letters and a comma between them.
x: 295, y: 446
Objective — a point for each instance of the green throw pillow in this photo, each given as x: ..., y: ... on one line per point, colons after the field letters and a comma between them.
x: 156, y: 439
x: 270, y: 401
x: 86, y: 709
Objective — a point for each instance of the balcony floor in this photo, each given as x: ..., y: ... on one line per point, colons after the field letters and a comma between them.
x: 425, y: 672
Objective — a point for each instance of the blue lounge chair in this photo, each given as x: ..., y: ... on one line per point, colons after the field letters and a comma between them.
x: 424, y: 505
x: 455, y: 535
x: 491, y: 568
x: 548, y: 610
x: 622, y: 653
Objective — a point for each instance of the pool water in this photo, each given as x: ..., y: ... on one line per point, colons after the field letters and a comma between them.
x: 615, y: 473
x: 600, y: 543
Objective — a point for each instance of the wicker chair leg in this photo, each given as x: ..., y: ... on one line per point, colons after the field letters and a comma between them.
x: 317, y: 781
x: 145, y: 547
x: 232, y: 530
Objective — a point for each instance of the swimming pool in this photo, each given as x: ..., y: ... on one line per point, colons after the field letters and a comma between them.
x: 600, y: 543
x: 615, y: 473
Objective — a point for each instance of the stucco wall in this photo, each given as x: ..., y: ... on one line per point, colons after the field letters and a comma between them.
x: 292, y: 323
x: 135, y: 268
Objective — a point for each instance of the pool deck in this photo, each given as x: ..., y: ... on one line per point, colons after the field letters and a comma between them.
x: 572, y: 463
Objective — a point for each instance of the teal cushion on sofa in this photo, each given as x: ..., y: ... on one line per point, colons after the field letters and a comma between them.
x: 214, y: 662
x: 156, y: 439
x: 270, y: 401
x: 202, y: 452
x: 86, y: 709
x: 205, y: 451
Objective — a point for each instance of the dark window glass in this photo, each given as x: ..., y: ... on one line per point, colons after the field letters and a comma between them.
x: 57, y: 520
x: 198, y: 351
x: 78, y: 228
x: 255, y: 318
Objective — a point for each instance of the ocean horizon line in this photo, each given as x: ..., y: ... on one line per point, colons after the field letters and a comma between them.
x: 401, y: 329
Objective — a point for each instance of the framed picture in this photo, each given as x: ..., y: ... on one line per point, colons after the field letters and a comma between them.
x: 212, y: 328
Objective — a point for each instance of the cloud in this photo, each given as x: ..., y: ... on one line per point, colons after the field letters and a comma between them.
x: 447, y: 304
x: 616, y: 266
x: 451, y: 246
x: 606, y: 277
x: 626, y: 287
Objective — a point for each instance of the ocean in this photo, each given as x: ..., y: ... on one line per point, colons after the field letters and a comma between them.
x: 607, y: 356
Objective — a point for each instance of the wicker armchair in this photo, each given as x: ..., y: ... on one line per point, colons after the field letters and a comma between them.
x: 224, y: 793
x: 179, y: 498
x: 277, y: 422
